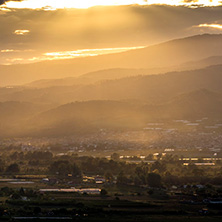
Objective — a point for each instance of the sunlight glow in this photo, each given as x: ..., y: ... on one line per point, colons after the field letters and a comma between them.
x: 7, y: 50
x: 81, y: 53
x: 72, y: 54
x: 216, y: 26
x: 58, y: 4
x: 91, y: 52
x: 21, y: 32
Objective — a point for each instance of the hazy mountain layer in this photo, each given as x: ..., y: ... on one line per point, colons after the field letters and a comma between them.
x: 210, y: 61
x: 91, y: 116
x: 149, y: 88
x: 156, y: 57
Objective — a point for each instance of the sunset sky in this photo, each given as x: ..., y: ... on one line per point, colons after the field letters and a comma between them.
x: 57, y: 4
x: 37, y: 30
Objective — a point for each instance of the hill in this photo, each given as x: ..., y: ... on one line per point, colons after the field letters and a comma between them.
x: 14, y: 114
x: 148, y: 88
x: 88, y: 78
x: 193, y: 105
x: 91, y: 116
x: 168, y: 54
x: 85, y: 117
x: 210, y: 61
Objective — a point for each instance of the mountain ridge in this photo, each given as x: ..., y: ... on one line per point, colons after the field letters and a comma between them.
x: 167, y: 54
x: 152, y: 88
x: 91, y: 116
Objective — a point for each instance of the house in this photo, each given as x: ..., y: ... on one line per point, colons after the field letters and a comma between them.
x: 100, y: 180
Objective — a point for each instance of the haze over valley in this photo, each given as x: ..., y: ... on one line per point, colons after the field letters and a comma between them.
x: 117, y: 98
x: 110, y: 110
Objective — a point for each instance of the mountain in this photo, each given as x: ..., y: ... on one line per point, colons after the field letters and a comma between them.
x: 164, y: 55
x: 27, y: 119
x: 12, y: 111
x: 14, y: 114
x: 85, y: 117
x: 91, y: 116
x: 88, y: 78
x: 149, y: 88
x: 101, y: 75
x: 210, y: 61
x: 193, y: 105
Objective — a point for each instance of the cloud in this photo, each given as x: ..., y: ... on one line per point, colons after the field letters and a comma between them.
x: 73, y: 29
x: 7, y: 50
x: 58, y: 55
x: 21, y: 32
x: 79, y: 53
x: 215, y: 26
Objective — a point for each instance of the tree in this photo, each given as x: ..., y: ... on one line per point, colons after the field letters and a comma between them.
x: 76, y: 171
x: 161, y: 167
x: 115, y: 156
x: 154, y: 180
x: 64, y: 169
x: 142, y: 173
x: 137, y: 181
x: 103, y: 192
x: 37, y: 210
x: 16, y: 196
x: 13, y: 168
x: 121, y: 178
x: 1, y: 166
x: 198, y: 172
x: 21, y: 191
x: 61, y: 167
x: 109, y: 177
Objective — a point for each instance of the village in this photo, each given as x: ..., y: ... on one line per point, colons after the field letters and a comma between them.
x: 171, y: 168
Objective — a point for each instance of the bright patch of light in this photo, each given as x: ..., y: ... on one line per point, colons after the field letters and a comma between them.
x: 21, y: 32
x: 7, y: 50
x: 216, y: 26
x: 91, y: 52
x: 82, y: 53
x: 15, y: 60
x: 72, y: 54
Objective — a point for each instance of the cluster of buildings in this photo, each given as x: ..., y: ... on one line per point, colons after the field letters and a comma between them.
x: 92, y: 191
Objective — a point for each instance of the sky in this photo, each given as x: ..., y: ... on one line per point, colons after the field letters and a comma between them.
x: 58, y: 4
x: 37, y: 30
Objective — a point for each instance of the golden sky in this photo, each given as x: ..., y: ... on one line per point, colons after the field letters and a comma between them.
x: 46, y: 33
x: 58, y: 4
